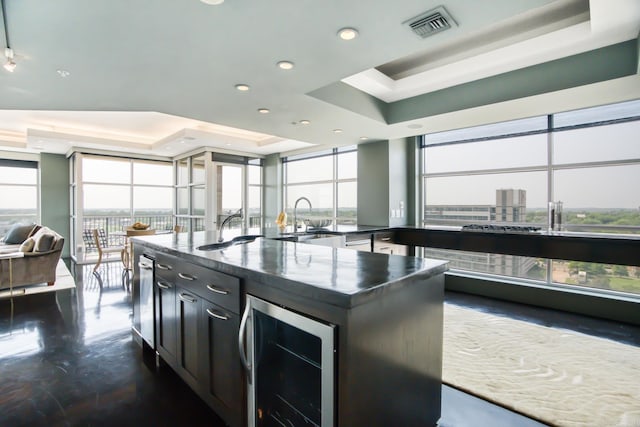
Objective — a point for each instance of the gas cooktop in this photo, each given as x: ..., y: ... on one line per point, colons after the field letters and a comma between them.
x: 500, y: 228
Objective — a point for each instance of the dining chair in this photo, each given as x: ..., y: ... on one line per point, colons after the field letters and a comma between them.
x: 178, y: 228
x: 103, y: 248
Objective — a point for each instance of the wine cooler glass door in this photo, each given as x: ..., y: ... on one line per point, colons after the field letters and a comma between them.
x: 291, y: 359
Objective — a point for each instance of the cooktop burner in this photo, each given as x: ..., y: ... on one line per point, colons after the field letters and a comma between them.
x: 500, y: 228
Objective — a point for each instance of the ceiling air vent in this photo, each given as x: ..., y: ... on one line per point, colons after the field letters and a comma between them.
x: 431, y: 22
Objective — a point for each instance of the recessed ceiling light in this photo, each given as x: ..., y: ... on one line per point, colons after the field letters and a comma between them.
x: 37, y: 147
x: 304, y: 122
x: 348, y: 33
x: 242, y: 87
x: 363, y: 138
x: 63, y: 73
x: 263, y: 110
x: 285, y: 65
x: 337, y: 131
x: 212, y: 2
x: 227, y: 144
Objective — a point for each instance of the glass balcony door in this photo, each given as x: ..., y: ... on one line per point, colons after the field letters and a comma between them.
x: 230, y: 194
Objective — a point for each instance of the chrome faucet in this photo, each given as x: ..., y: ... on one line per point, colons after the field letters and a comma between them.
x: 295, y: 212
x: 226, y: 220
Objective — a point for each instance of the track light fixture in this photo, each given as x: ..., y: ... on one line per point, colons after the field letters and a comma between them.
x: 10, y: 65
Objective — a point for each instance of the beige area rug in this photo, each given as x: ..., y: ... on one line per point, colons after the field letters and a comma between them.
x: 557, y: 376
x: 64, y: 280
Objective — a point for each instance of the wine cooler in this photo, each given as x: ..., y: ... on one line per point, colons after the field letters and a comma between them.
x: 289, y: 363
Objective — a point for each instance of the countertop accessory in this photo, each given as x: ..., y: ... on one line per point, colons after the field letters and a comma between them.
x: 317, y: 222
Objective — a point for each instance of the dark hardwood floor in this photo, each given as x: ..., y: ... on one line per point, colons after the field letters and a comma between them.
x: 67, y: 358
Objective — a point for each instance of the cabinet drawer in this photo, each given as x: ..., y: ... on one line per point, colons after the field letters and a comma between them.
x: 211, y: 285
x: 165, y: 267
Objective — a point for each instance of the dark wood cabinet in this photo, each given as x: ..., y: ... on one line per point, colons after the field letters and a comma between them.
x: 197, y: 323
x: 188, y: 307
x: 222, y: 379
x: 166, y: 320
x: 165, y: 301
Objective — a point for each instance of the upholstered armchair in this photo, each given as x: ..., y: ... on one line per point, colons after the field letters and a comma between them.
x: 41, y: 251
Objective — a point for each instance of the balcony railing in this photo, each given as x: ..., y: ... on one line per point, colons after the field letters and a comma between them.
x: 114, y: 226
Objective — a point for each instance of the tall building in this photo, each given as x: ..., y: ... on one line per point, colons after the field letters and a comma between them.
x: 511, y: 205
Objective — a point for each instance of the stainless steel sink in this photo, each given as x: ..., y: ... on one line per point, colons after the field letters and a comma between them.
x: 235, y: 241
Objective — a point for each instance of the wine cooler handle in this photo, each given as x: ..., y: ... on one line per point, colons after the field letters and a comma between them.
x: 241, y: 333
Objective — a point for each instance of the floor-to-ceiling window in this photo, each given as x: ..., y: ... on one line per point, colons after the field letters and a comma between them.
x: 254, y: 193
x: 210, y: 186
x: 191, y: 184
x: 586, y: 161
x: 328, y: 179
x: 18, y: 193
x: 111, y: 193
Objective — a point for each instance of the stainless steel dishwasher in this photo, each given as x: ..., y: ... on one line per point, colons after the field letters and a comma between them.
x: 145, y: 266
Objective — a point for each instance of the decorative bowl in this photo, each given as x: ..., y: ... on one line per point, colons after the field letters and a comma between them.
x: 317, y: 222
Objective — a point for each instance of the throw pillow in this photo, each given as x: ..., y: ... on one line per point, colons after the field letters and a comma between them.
x: 27, y: 245
x: 44, y: 242
x: 18, y: 233
x: 42, y: 230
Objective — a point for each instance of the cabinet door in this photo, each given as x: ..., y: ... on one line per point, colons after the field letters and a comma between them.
x: 166, y: 320
x: 222, y: 380
x: 188, y: 310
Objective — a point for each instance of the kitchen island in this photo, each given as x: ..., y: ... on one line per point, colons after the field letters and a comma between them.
x: 385, y: 312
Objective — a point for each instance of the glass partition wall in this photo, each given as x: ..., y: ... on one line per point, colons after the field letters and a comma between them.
x: 509, y: 173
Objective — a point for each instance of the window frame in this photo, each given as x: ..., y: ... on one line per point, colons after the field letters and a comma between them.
x: 76, y: 200
x: 23, y: 164
x: 334, y: 181
x: 552, y: 168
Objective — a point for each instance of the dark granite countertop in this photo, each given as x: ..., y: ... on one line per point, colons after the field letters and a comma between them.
x: 340, y: 277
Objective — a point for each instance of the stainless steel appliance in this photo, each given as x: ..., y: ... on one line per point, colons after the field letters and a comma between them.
x: 289, y: 363
x: 145, y: 266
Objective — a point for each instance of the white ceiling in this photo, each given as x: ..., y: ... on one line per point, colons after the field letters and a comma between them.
x: 157, y: 77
